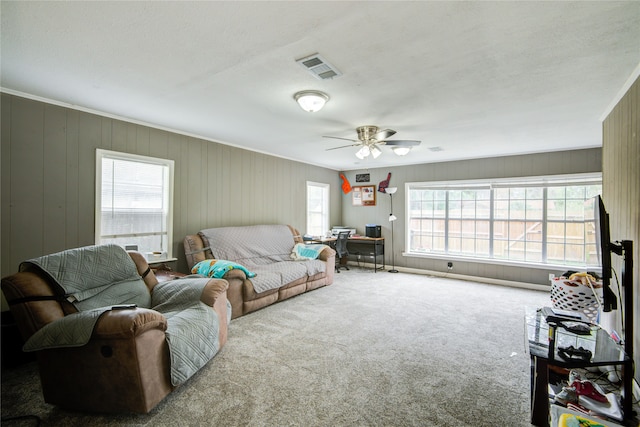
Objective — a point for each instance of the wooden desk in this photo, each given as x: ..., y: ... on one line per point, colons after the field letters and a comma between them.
x: 360, y: 246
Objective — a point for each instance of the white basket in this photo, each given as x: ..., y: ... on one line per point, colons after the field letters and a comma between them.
x: 573, y: 295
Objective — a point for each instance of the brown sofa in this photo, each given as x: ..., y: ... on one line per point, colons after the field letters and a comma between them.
x: 126, y: 365
x: 265, y: 250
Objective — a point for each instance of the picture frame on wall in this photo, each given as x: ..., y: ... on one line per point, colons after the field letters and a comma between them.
x: 363, y: 177
x: 364, y: 195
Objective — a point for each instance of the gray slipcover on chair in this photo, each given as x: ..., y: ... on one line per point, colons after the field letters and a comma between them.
x: 120, y: 358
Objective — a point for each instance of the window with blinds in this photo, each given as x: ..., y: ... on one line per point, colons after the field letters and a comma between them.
x: 317, y: 208
x: 134, y: 202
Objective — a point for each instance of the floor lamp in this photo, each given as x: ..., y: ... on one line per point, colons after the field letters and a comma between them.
x: 392, y: 218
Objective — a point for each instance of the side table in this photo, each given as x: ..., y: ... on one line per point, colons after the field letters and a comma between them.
x: 166, y: 275
x: 605, y: 351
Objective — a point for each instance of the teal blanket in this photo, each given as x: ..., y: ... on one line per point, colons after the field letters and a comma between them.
x: 302, y: 251
x: 218, y: 268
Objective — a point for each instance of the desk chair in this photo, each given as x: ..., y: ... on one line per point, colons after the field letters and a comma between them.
x: 341, y: 250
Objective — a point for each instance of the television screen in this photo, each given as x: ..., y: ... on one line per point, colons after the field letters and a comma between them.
x: 603, y: 248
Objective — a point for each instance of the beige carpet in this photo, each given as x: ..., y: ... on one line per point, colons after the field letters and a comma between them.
x: 373, y: 349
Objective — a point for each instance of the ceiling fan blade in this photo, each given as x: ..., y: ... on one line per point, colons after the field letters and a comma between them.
x: 337, y: 137
x: 344, y: 146
x: 384, y: 134
x: 402, y: 143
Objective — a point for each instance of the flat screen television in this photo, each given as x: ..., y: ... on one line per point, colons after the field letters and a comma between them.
x: 603, y: 248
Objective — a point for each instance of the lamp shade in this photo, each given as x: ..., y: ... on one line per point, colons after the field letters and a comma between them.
x: 392, y: 217
x: 311, y: 100
x: 363, y: 152
x: 375, y: 152
x: 391, y: 190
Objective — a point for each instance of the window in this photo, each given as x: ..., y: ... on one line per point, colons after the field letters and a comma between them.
x: 532, y: 221
x: 134, y: 202
x: 317, y: 208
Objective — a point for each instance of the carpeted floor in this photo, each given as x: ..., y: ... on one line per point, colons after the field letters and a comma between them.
x: 373, y: 349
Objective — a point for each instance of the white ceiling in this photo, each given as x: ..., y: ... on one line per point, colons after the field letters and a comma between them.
x: 476, y: 79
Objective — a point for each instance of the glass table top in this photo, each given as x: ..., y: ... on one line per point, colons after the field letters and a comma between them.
x: 604, y: 349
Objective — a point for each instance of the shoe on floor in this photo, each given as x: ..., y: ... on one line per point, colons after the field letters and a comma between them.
x: 574, y: 376
x: 567, y: 395
x: 587, y: 389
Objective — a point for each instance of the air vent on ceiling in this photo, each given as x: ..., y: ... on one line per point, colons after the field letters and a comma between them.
x: 319, y: 67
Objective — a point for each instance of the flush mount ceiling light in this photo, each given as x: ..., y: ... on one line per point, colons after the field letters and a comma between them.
x: 401, y: 151
x: 311, y: 100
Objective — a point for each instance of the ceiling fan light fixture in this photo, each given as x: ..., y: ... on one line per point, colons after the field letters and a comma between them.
x: 375, y: 152
x: 311, y: 100
x: 363, y: 152
x: 401, y: 151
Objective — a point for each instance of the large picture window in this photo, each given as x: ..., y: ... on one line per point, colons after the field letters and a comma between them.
x: 134, y: 202
x: 538, y: 220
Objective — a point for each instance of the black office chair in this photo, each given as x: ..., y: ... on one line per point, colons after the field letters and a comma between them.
x: 341, y: 250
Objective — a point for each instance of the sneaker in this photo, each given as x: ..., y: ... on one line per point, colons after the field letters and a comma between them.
x: 587, y: 389
x: 567, y: 395
x: 574, y: 376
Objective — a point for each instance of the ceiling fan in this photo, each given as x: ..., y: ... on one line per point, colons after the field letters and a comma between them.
x: 371, y: 137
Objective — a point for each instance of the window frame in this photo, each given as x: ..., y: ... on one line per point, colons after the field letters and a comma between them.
x: 167, y: 197
x: 325, y: 210
x: 547, y: 182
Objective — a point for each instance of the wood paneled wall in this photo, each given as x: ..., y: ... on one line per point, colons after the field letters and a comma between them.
x: 621, y: 185
x: 48, y: 168
x: 48, y: 180
x: 556, y: 163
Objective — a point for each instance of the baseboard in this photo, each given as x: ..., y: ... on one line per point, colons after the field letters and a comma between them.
x: 488, y: 280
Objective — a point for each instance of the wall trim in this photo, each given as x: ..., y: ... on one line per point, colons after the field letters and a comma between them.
x: 622, y: 92
x: 486, y: 280
x: 142, y: 123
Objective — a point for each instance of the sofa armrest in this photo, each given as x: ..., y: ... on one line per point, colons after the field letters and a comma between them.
x: 149, y: 278
x: 195, y: 251
x: 214, y: 295
x: 214, y: 289
x: 235, y: 273
x: 326, y: 254
x: 34, y: 301
x: 128, y: 323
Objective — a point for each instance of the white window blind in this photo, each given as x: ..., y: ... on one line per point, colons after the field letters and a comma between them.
x: 317, y: 208
x: 134, y: 201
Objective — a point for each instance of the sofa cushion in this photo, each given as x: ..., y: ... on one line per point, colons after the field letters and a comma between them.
x: 257, y: 243
x: 278, y: 274
x: 288, y: 271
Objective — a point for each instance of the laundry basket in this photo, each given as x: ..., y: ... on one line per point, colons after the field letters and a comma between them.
x: 575, y: 295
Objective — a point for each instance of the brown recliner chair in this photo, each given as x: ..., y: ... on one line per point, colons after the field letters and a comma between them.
x: 125, y: 367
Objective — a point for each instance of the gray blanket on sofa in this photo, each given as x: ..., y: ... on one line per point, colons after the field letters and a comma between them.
x: 265, y: 250
x: 95, y: 278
